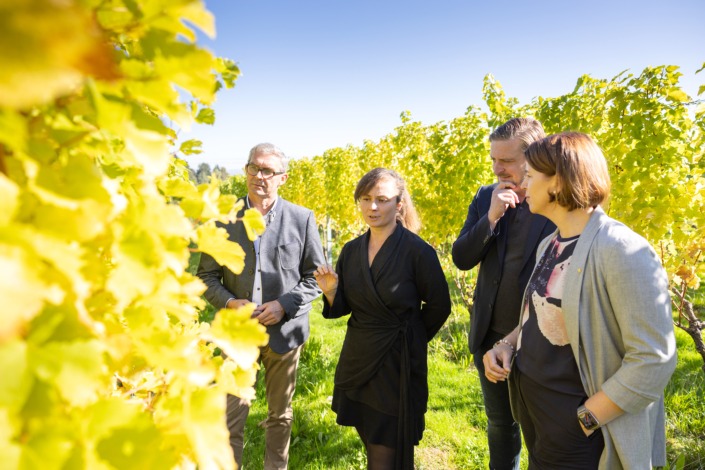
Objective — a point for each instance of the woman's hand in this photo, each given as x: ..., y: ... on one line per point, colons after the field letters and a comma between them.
x: 497, y: 362
x: 586, y: 431
x: 327, y: 280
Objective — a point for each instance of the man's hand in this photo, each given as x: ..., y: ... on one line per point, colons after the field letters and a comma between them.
x: 269, y: 313
x: 503, y: 197
x: 237, y: 303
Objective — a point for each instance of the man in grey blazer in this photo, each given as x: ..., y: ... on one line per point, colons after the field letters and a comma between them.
x: 278, y: 278
x: 501, y: 235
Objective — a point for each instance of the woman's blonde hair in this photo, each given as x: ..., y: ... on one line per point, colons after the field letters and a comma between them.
x: 582, y: 178
x: 407, y: 216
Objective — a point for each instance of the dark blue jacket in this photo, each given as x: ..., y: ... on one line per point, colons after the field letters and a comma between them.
x: 477, y: 244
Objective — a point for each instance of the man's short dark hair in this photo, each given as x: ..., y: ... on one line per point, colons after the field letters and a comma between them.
x: 527, y: 130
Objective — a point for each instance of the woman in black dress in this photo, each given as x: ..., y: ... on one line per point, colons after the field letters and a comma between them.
x: 392, y: 284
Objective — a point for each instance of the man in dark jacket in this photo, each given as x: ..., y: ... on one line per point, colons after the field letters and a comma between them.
x: 501, y: 235
x: 278, y: 278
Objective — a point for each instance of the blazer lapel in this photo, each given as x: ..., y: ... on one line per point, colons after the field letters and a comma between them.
x: 502, y: 238
x: 367, y: 274
x: 538, y: 223
x: 574, y: 284
x: 365, y: 264
x: 237, y: 233
x: 269, y: 240
x: 385, y: 253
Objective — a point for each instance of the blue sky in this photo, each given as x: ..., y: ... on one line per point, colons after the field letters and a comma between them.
x: 328, y: 73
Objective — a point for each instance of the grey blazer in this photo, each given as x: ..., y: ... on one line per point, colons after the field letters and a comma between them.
x: 290, y: 251
x: 618, y: 316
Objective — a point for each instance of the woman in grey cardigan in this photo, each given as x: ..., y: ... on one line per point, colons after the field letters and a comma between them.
x: 595, y: 346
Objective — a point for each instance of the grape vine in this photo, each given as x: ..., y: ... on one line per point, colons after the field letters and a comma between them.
x: 651, y: 132
x: 104, y: 361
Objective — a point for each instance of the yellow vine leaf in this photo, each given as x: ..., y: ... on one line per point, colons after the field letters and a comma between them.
x: 9, y: 449
x: 254, y: 223
x: 228, y: 204
x: 17, y: 378
x: 685, y: 272
x: 65, y: 259
x: 80, y: 223
x: 9, y: 199
x: 93, y: 245
x: 23, y: 289
x: 205, y: 428
x: 238, y: 335
x: 214, y: 241
x: 207, y: 431
x: 171, y: 297
x: 47, y: 49
x: 175, y: 351
x: 149, y: 149
x: 678, y: 95
x: 178, y: 188
x: 129, y: 279
x: 192, y: 206
x: 238, y: 381
x: 196, y: 14
x: 695, y: 283
x: 179, y: 13
x: 160, y: 95
x: 210, y: 193
x: 13, y: 131
x: 121, y: 433
x: 171, y: 61
x: 688, y: 275
x: 75, y: 367
x: 50, y: 449
x: 76, y: 206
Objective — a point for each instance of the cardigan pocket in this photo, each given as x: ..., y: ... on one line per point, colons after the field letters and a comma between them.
x: 289, y: 255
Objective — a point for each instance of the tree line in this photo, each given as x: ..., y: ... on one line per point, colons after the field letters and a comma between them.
x: 203, y: 173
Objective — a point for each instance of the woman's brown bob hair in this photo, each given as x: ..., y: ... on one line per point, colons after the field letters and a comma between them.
x: 582, y: 179
x: 407, y: 215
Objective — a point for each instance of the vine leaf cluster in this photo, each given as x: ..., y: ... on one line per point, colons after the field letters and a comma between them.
x: 104, y: 361
x: 651, y: 132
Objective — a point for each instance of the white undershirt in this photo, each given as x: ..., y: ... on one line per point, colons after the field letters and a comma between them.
x: 257, y: 286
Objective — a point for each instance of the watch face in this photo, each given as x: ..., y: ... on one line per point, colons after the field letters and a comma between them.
x: 588, y: 419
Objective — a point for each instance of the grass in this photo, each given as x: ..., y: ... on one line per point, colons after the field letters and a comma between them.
x: 317, y: 442
x: 685, y: 408
x: 455, y: 421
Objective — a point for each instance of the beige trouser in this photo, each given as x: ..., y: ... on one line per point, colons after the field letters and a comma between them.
x: 279, y: 382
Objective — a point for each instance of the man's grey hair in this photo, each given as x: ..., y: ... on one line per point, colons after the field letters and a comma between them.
x: 269, y: 149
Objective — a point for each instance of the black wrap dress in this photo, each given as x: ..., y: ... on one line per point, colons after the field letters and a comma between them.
x: 397, y: 305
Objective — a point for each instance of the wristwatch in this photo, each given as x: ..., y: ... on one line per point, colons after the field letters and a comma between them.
x: 587, y: 419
